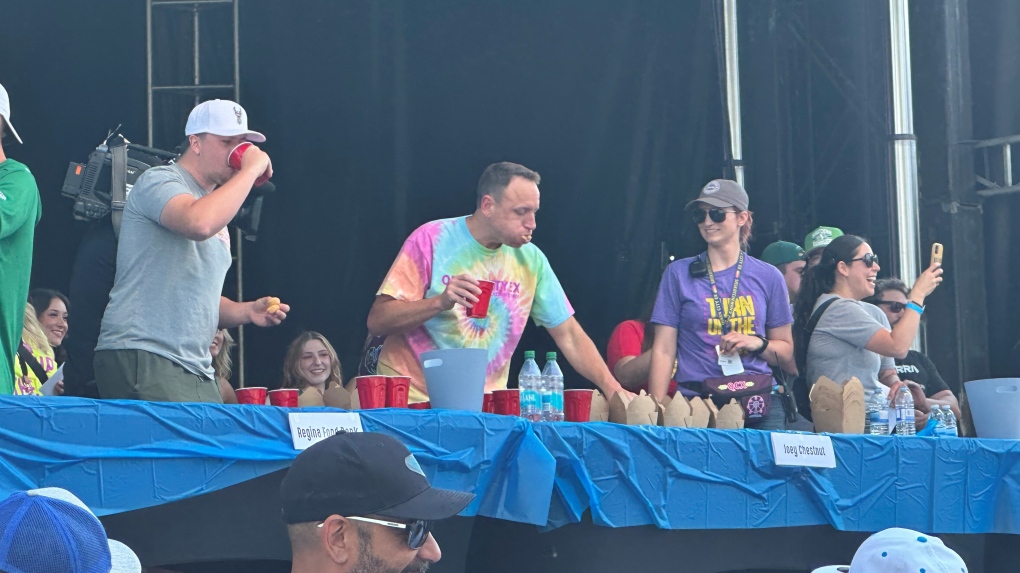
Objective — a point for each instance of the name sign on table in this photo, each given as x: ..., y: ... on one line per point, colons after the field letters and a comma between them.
x: 805, y: 450
x: 311, y: 427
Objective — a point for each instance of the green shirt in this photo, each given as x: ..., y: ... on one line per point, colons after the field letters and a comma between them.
x: 20, y: 210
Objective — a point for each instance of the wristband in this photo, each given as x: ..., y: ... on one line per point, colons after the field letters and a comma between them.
x: 915, y: 307
x: 765, y: 344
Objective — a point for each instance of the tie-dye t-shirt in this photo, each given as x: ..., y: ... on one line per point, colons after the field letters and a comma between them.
x: 525, y: 286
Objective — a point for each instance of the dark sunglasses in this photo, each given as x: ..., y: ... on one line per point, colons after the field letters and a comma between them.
x: 893, y: 305
x: 417, y: 531
x: 870, y: 260
x: 717, y: 215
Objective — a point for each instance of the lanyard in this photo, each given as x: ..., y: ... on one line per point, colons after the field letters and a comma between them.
x: 733, y: 298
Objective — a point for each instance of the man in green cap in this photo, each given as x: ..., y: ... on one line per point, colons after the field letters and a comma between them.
x: 791, y: 260
x: 816, y: 241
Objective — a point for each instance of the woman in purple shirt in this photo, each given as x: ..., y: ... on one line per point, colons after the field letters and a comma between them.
x: 723, y: 313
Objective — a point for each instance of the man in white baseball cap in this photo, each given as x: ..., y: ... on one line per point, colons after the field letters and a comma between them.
x: 898, y: 550
x: 172, y: 257
x: 49, y: 529
x: 20, y: 211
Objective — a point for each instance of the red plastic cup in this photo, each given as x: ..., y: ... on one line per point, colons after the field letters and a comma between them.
x: 234, y: 161
x: 577, y: 405
x: 481, y: 308
x: 284, y: 397
x: 253, y: 395
x: 489, y: 403
x: 420, y: 406
x: 507, y: 402
x: 397, y: 388
x: 371, y: 391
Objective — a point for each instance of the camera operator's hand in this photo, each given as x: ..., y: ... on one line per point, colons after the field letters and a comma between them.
x: 257, y: 161
x: 462, y: 290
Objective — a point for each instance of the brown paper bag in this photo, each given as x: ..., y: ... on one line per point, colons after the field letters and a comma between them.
x: 853, y: 407
x: 678, y: 413
x: 643, y: 411
x: 310, y: 397
x: 729, y: 417
x: 337, y: 397
x: 701, y: 416
x: 599, y: 407
x: 827, y: 406
x: 618, y: 408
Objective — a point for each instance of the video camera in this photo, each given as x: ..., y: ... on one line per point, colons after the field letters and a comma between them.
x: 90, y: 184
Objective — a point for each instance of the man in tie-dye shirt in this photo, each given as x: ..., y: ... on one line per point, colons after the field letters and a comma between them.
x: 423, y: 302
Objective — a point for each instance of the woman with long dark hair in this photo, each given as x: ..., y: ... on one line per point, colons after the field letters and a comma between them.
x: 723, y: 317
x: 51, y: 308
x: 854, y: 338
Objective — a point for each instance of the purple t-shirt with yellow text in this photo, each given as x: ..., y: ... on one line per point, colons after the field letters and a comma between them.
x: 686, y: 303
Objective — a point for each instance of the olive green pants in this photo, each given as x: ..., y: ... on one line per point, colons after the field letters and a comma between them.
x: 141, y: 375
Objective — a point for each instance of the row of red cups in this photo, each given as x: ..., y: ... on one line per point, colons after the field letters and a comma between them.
x: 286, y: 397
x: 391, y: 392
x: 576, y: 403
x: 383, y: 391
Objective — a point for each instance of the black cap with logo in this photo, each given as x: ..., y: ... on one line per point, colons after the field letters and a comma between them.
x: 363, y: 473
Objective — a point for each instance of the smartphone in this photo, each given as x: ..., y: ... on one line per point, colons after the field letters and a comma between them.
x: 936, y: 253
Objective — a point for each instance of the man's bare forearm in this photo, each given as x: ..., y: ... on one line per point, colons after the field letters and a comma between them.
x: 392, y: 316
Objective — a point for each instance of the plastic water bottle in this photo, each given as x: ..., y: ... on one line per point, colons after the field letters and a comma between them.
x: 880, y: 419
x: 951, y: 429
x: 870, y: 410
x: 940, y: 421
x: 904, y: 412
x: 529, y: 381
x: 552, y: 389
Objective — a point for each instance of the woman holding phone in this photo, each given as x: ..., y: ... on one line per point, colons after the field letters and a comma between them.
x: 853, y: 338
x: 723, y: 316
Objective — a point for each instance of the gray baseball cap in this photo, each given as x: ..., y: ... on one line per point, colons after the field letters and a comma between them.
x: 721, y: 193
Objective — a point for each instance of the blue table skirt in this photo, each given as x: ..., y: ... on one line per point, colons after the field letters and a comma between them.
x: 121, y: 455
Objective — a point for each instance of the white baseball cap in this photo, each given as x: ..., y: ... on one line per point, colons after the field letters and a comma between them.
x: 220, y: 117
x: 899, y: 550
x: 5, y: 112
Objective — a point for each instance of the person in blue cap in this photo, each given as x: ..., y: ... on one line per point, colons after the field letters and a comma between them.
x: 49, y: 530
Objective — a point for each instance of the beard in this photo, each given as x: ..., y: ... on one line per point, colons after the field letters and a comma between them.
x: 369, y: 562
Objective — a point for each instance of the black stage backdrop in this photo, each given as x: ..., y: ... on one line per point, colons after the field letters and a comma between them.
x: 382, y: 115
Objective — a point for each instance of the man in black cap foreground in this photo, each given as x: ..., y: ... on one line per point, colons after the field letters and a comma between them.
x: 360, y: 503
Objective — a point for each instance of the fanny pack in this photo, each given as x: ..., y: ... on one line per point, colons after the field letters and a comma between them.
x: 753, y: 391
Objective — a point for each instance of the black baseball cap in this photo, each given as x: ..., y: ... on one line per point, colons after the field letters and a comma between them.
x: 363, y: 473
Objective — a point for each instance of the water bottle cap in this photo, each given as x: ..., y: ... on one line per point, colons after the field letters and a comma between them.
x: 529, y: 354
x: 550, y: 356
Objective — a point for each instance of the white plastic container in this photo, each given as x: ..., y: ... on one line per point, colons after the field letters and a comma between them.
x: 995, y: 407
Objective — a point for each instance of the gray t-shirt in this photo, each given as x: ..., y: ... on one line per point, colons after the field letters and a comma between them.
x: 837, y: 348
x: 166, y: 295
